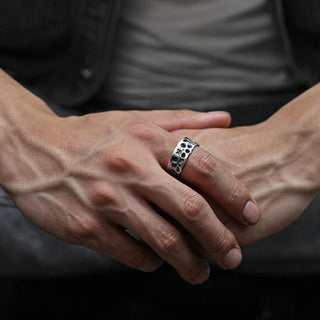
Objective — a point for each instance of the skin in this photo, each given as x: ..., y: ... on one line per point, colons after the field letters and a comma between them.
x: 88, y: 180
x: 278, y: 160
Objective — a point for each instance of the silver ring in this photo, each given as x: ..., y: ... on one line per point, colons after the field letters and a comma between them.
x: 180, y: 155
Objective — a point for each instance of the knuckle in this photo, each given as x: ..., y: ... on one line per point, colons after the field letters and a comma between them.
x: 193, y: 204
x: 181, y: 115
x: 184, y: 112
x: 102, y: 198
x: 237, y: 195
x: 141, y: 262
x: 192, y: 274
x: 135, y: 115
x: 142, y: 131
x: 119, y: 161
x: 84, y: 229
x: 136, y: 261
x: 169, y: 242
x: 224, y: 242
x: 207, y: 164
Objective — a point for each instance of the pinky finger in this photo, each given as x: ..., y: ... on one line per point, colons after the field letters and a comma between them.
x: 123, y: 247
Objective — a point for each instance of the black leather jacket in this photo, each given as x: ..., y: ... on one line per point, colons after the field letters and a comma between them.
x: 62, y: 49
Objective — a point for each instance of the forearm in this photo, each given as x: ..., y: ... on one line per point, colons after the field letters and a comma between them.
x: 298, y: 126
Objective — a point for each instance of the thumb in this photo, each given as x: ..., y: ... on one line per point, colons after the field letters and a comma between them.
x: 172, y: 120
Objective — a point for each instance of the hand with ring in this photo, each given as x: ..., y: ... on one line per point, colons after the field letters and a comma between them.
x: 89, y: 180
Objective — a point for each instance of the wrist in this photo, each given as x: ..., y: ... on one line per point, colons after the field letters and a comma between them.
x: 298, y: 124
x: 22, y: 115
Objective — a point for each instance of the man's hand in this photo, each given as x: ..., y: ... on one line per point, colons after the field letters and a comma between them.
x: 88, y: 180
x: 278, y: 161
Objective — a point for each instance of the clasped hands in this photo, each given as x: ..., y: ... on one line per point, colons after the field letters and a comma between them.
x: 89, y: 180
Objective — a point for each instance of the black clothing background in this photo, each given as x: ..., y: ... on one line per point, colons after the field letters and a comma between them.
x: 62, y: 49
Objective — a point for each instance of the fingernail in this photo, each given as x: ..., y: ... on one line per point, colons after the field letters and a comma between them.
x: 232, y: 259
x: 251, y: 213
x: 204, y: 275
x: 218, y: 112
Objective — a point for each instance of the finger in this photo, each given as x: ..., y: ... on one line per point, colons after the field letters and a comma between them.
x: 171, y: 120
x: 127, y: 250
x: 204, y: 171
x: 166, y: 241
x: 191, y: 210
x: 211, y: 177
